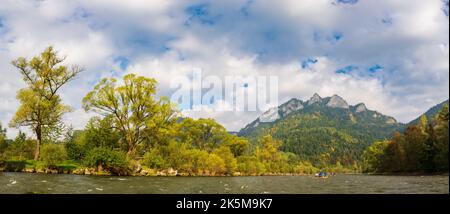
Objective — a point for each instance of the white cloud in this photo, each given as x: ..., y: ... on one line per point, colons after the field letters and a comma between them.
x: 163, y: 39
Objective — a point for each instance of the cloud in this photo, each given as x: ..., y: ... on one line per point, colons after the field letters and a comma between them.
x: 392, y: 55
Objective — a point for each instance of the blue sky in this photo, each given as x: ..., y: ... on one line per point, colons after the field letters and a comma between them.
x: 391, y: 55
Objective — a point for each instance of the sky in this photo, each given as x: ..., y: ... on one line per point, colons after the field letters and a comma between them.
x: 393, y: 55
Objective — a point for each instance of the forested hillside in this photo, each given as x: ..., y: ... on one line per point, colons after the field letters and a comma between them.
x: 323, y: 130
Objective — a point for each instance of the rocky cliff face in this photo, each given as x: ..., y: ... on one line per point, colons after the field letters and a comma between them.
x: 314, y: 99
x: 361, y: 107
x: 269, y: 116
x: 337, y: 102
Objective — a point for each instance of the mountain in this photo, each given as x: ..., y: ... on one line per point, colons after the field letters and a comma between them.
x: 323, y: 130
x: 430, y: 113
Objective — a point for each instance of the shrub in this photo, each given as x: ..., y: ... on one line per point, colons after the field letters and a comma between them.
x: 13, y: 165
x: 52, y: 154
x: 305, y: 167
x: 250, y: 165
x: 105, y: 158
x: 154, y: 159
x: 225, y: 153
x: 215, y: 165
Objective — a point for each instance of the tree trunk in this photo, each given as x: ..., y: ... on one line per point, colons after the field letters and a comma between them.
x: 131, y: 150
x: 37, y: 150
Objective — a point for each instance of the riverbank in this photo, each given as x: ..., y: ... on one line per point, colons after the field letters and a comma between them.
x: 137, y: 170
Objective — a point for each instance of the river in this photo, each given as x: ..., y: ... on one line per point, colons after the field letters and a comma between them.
x: 346, y: 184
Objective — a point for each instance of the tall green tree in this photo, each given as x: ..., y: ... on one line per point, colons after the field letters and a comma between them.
x: 41, y: 107
x: 134, y: 110
x: 441, y: 144
x: 3, y: 144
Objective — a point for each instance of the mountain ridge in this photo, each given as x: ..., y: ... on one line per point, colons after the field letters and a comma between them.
x: 430, y: 113
x: 296, y: 104
x: 323, y: 130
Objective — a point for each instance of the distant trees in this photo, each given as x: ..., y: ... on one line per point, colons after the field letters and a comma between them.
x: 421, y: 148
x: 3, y: 143
x: 40, y: 105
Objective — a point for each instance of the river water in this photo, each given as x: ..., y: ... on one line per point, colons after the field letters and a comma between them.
x: 345, y: 184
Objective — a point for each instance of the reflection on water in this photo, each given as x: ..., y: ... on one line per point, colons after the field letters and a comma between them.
x: 44, y: 183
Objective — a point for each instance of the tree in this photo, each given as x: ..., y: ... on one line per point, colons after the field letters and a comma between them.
x: 238, y: 145
x: 268, y: 153
x: 40, y: 105
x: 373, y: 157
x: 99, y: 133
x: 415, y: 146
x: 75, y: 144
x: 21, y: 148
x: 441, y: 144
x: 3, y: 144
x: 205, y: 134
x: 227, y: 156
x: 134, y: 110
x: 2, y: 133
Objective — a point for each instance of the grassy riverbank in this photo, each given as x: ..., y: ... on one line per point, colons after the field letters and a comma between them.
x: 74, y: 167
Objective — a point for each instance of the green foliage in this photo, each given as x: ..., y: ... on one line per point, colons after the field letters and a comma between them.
x: 21, y: 148
x: 238, y: 145
x: 305, y: 167
x: 40, y: 106
x: 13, y: 165
x: 224, y: 152
x: 74, y: 144
x: 154, y: 159
x: 268, y: 153
x: 442, y: 140
x: 133, y: 109
x: 52, y: 154
x: 215, y: 165
x: 100, y: 133
x: 3, y: 142
x: 249, y: 165
x: 421, y: 148
x: 204, y: 134
x: 105, y: 158
x: 373, y: 156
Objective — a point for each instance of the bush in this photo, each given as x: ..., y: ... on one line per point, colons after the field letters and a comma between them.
x: 225, y: 153
x: 154, y: 159
x: 75, y: 145
x: 13, y: 165
x: 52, y: 154
x: 249, y: 165
x: 215, y: 165
x: 305, y: 167
x: 105, y: 158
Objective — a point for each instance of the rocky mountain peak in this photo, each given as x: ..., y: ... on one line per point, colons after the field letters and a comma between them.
x: 269, y: 116
x: 291, y: 106
x: 337, y: 102
x: 314, y: 99
x: 361, y: 107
